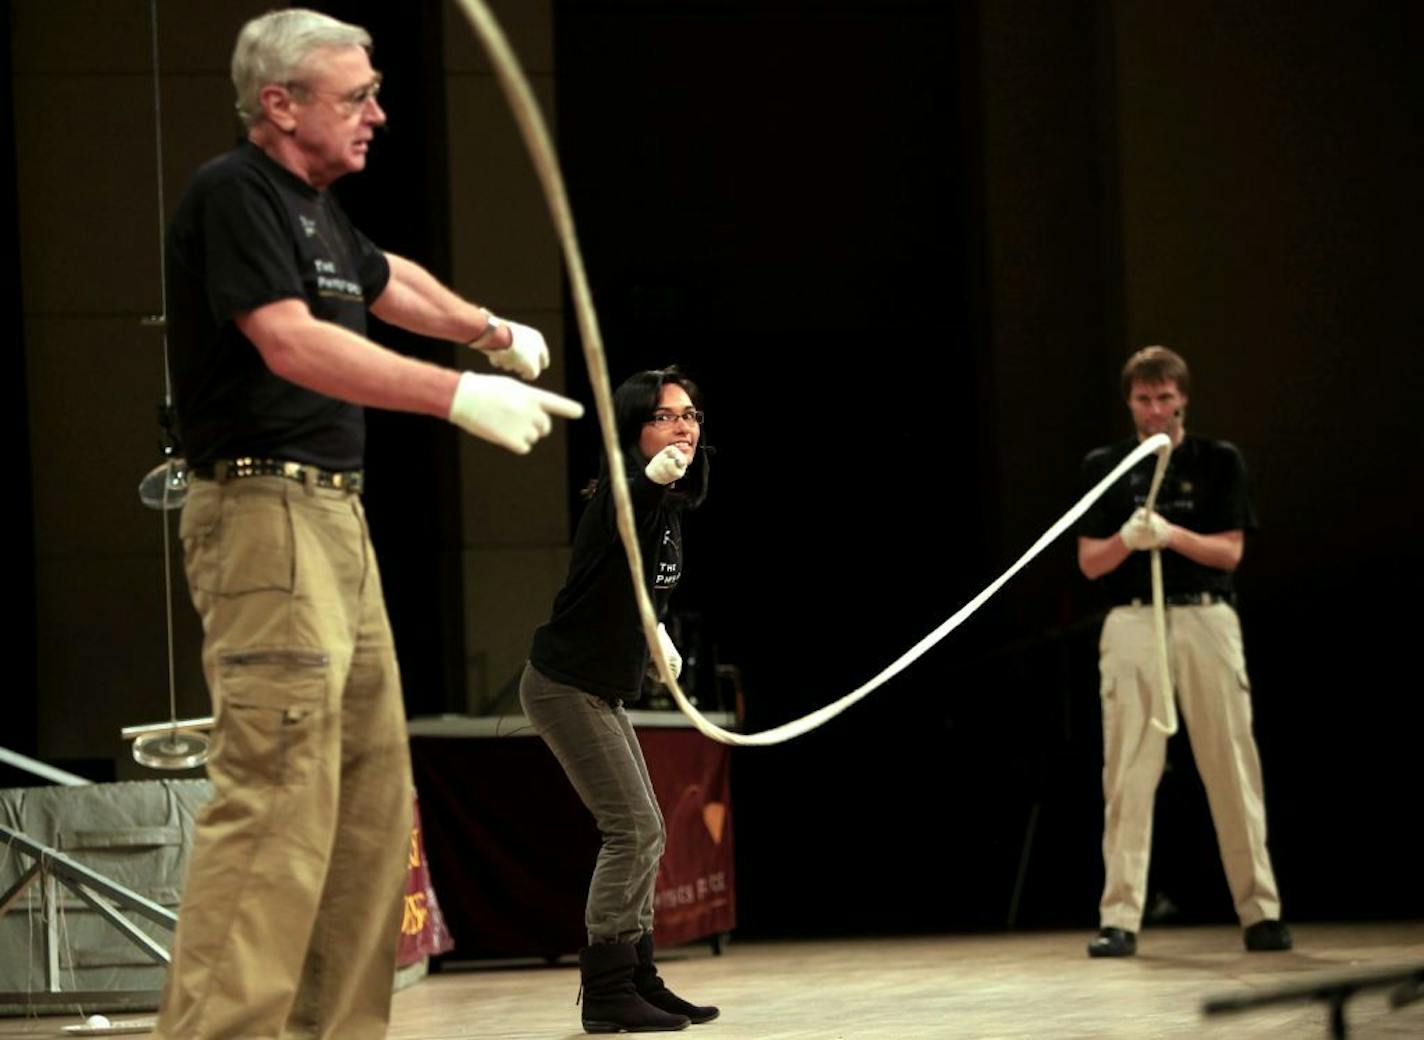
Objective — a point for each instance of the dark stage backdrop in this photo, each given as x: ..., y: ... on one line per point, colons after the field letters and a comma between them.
x: 774, y: 200
x: 905, y: 247
x: 20, y: 634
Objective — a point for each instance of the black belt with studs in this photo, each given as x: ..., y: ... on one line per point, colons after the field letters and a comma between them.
x: 236, y: 469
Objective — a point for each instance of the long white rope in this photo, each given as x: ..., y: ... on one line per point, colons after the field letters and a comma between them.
x: 1164, y: 719
x: 541, y: 149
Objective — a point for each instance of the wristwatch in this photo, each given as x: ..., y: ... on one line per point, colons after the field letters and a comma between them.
x: 492, y: 325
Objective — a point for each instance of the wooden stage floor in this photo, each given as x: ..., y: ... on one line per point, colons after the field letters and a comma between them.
x: 1031, y: 985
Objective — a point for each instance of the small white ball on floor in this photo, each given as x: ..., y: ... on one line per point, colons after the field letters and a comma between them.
x: 97, y: 1022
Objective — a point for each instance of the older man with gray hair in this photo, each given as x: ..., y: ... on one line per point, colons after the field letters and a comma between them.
x: 290, y: 915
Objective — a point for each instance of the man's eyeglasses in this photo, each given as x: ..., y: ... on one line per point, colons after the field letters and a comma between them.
x: 349, y: 103
x: 662, y: 420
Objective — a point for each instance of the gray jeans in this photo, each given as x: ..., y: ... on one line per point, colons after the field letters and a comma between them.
x: 596, y: 745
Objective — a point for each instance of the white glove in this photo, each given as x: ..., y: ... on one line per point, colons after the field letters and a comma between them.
x: 527, y: 354
x: 674, y: 659
x: 507, y: 413
x: 1145, y: 530
x: 667, y: 465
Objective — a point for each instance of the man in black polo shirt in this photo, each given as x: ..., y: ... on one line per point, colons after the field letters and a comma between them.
x: 1199, y: 526
x: 290, y: 914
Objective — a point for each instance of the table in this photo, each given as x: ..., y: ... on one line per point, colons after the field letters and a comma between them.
x: 511, y: 848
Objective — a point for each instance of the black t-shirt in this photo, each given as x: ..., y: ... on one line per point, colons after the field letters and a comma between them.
x: 249, y: 232
x: 594, y: 640
x: 1204, y: 490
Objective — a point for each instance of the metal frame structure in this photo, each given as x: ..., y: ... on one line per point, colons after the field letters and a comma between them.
x: 51, y: 869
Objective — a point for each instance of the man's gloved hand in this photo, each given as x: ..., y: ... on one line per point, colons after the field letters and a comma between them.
x: 674, y: 658
x: 667, y: 465
x: 527, y: 354
x: 507, y: 413
x: 1145, y: 530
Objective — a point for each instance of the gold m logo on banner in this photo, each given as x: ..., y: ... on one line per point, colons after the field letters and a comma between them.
x: 415, y: 915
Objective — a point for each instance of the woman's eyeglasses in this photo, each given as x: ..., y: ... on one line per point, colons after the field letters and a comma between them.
x: 662, y: 420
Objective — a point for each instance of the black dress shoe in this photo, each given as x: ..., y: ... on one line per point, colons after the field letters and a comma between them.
x: 1267, y: 935
x: 1113, y: 942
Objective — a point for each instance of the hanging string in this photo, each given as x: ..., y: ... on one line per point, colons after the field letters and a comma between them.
x: 161, y: 321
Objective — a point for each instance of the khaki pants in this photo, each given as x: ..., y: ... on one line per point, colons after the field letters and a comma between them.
x: 1208, y: 668
x: 290, y: 917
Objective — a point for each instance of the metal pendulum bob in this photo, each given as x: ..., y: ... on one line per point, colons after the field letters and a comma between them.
x: 170, y: 745
x: 165, y: 486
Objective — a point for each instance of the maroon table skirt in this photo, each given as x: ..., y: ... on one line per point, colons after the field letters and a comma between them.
x: 510, y: 848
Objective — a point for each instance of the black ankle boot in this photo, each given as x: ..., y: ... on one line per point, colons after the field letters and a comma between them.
x: 652, y: 988
x: 610, y: 1003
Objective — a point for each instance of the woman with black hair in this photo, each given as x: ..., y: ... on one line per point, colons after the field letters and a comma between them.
x: 588, y: 659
